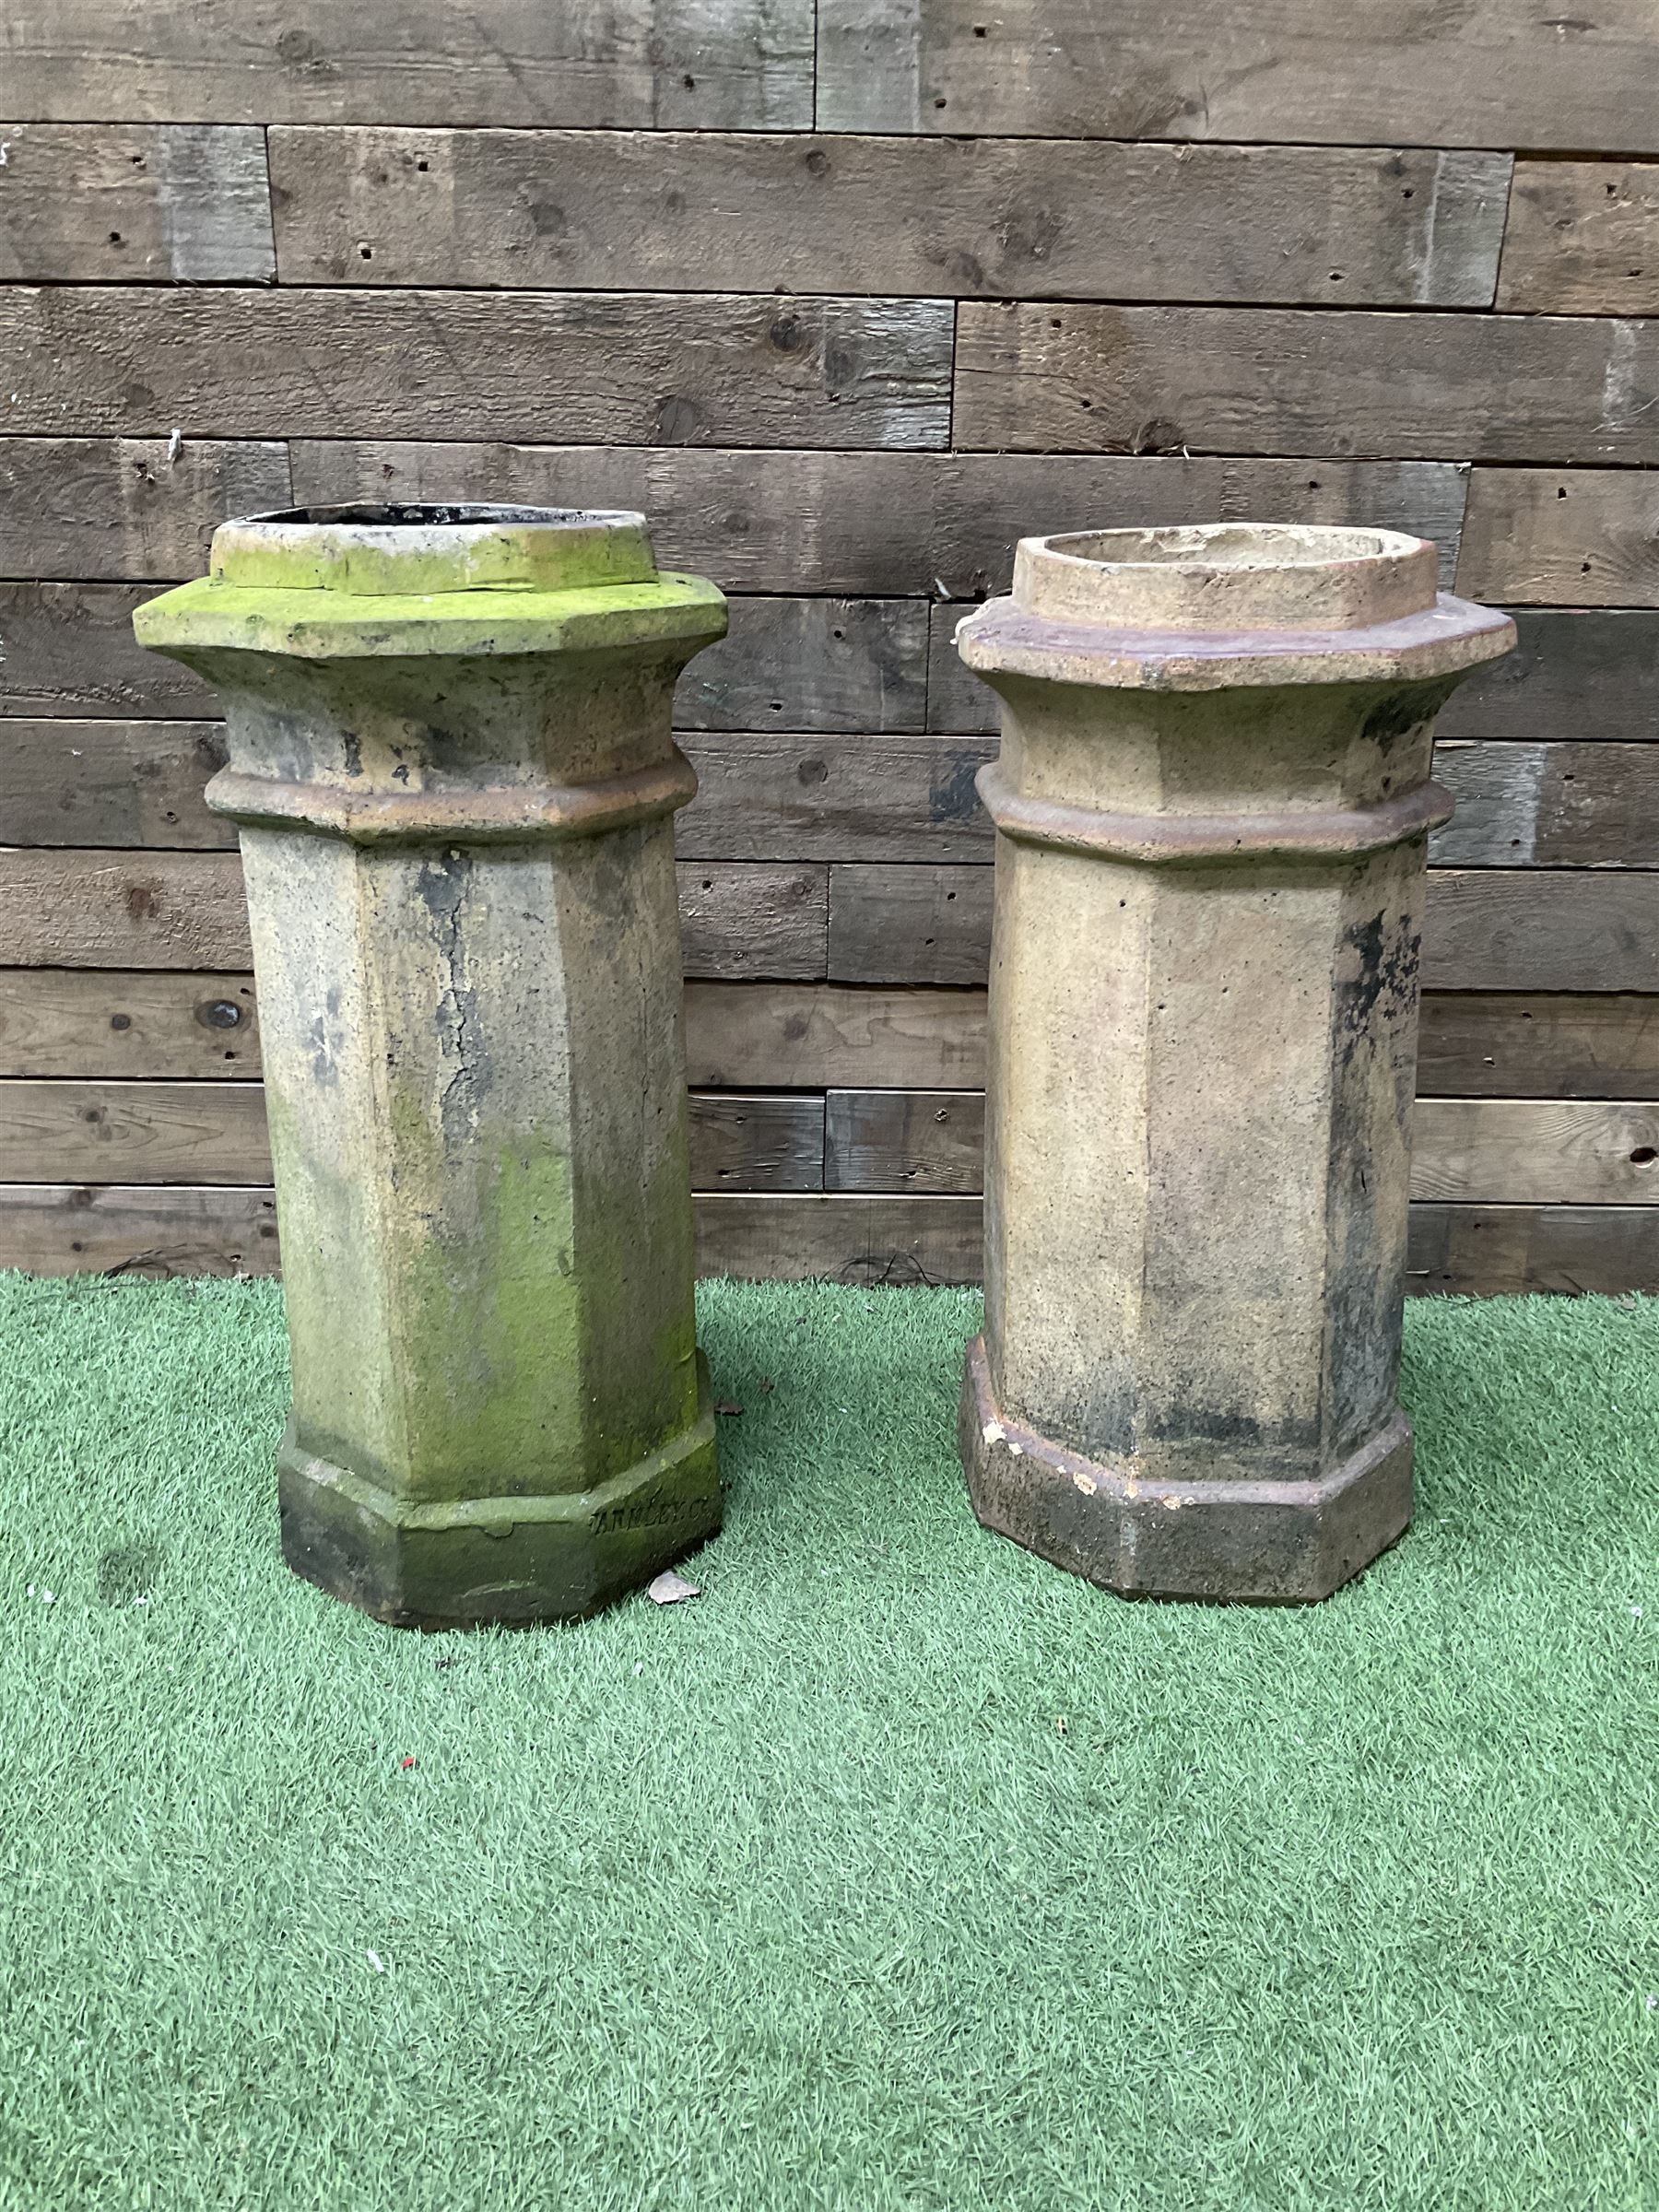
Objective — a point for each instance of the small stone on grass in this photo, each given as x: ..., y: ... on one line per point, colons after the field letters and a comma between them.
x: 671, y: 1589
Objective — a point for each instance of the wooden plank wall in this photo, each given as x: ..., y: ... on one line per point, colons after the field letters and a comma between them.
x: 846, y: 295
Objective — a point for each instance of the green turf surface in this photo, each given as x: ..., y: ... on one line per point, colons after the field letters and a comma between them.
x: 897, y: 1870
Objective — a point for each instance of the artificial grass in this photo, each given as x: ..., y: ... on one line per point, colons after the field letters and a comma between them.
x: 897, y: 1870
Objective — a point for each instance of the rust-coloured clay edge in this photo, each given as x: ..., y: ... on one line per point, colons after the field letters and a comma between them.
x: 1260, y: 1543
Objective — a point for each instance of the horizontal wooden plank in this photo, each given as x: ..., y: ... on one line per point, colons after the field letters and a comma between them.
x: 1525, y: 1151
x: 798, y: 1037
x: 758, y: 1141
x: 112, y: 203
x: 1486, y: 73
x: 104, y: 509
x: 1507, y: 1251
x: 914, y: 799
x: 881, y: 524
x: 977, y: 217
x: 114, y: 784
x: 761, y: 796
x: 1488, y: 929
x: 1057, y: 377
x: 806, y: 796
x: 755, y: 520
x: 632, y: 368
x: 123, y: 910
x: 1572, y: 673
x: 1521, y: 1044
x: 186, y: 911
x: 1562, y: 538
x: 904, y: 1140
x: 1536, y: 1151
x: 69, y: 1229
x: 836, y: 798
x: 806, y: 1035
x: 891, y: 1242
x: 869, y: 1037
x: 1514, y: 929
x: 987, y: 501
x: 909, y: 924
x: 1548, y: 805
x: 190, y: 1132
x: 811, y: 664
x: 797, y: 664
x: 711, y: 64
x: 1585, y: 674
x: 197, y: 1132
x: 739, y: 1036
x: 96, y: 1023
x: 1582, y: 238
x: 69, y: 649
x: 73, y: 1227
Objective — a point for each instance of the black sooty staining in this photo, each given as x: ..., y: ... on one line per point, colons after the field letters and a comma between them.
x: 1376, y: 980
x: 1186, y: 1419
x: 1400, y: 712
x: 954, y: 796
x: 1376, y: 995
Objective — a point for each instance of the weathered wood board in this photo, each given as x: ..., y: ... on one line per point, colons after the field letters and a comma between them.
x: 904, y: 1140
x: 1057, y: 377
x: 805, y: 663
x: 838, y: 798
x: 626, y: 368
x: 1572, y: 674
x: 830, y: 797
x: 811, y: 663
x: 125, y: 1230
x: 115, y: 783
x: 846, y: 298
x: 909, y: 924
x: 1522, y: 1151
x: 975, y: 218
x: 1488, y: 929
x: 810, y: 1036
x: 187, y: 911
x: 889, y: 522
x: 1493, y: 1250
x: 159, y: 203
x: 169, y: 1132
x: 706, y: 65
x: 1582, y: 238
x: 195, y: 1133
x: 1562, y: 536
x: 67, y: 1228
x: 100, y: 509
x: 1525, y: 1044
x: 1485, y: 73
x: 1548, y: 805
x: 127, y: 1024
x: 69, y: 649
x: 742, y: 1036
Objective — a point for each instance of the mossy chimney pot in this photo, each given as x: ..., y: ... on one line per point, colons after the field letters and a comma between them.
x: 451, y: 763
